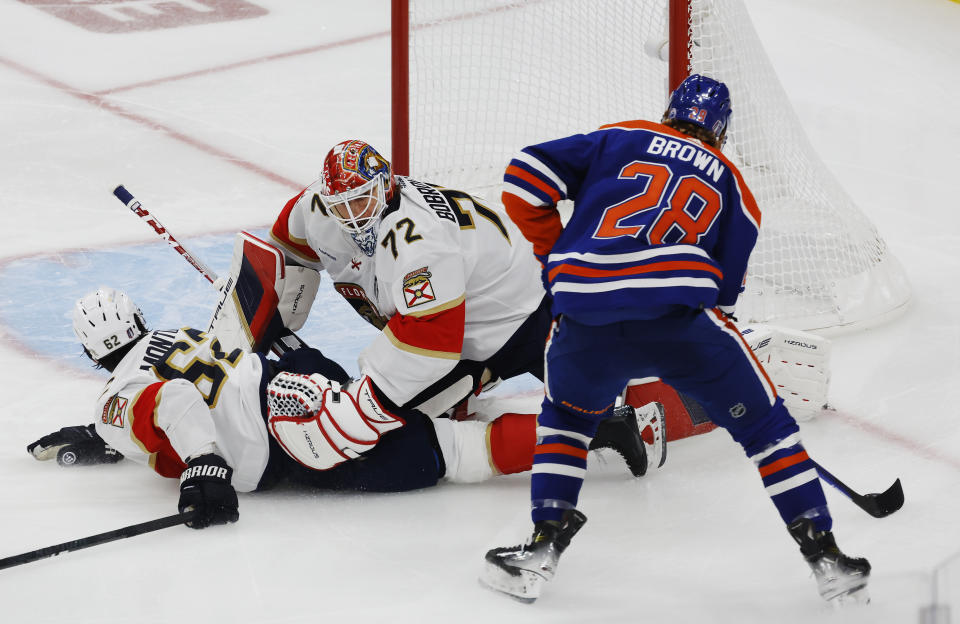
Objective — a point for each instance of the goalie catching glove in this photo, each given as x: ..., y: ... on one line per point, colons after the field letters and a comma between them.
x: 74, y: 446
x: 321, y: 424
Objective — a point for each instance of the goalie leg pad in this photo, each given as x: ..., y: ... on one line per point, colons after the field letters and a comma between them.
x: 797, y: 362
x: 464, y: 448
x: 245, y: 317
x: 475, y: 451
x: 512, y: 439
x: 300, y: 286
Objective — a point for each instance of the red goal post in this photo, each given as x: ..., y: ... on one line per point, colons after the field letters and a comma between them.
x: 476, y: 80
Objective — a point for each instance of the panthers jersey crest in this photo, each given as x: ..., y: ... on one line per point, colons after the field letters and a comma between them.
x: 417, y: 288
x: 114, y: 411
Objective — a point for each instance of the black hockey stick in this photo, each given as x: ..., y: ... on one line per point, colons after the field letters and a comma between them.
x: 94, y: 540
x: 878, y: 505
x: 286, y: 341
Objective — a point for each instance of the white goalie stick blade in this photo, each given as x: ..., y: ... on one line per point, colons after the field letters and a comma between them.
x: 653, y: 430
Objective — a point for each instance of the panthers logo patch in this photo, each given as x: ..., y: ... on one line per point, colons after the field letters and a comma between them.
x: 417, y: 289
x: 114, y: 412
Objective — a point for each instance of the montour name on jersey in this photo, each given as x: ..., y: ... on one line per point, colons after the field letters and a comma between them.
x: 701, y: 159
x: 157, y: 348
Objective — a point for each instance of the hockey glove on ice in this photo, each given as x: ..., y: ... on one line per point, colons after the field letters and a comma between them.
x: 74, y: 446
x: 205, y: 487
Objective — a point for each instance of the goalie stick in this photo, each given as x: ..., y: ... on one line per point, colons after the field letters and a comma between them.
x: 94, y: 540
x: 137, y: 208
x: 878, y: 505
x: 287, y: 341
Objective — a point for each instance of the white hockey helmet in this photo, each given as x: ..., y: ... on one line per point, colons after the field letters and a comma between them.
x: 106, y: 320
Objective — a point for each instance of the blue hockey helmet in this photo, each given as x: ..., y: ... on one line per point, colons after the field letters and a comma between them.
x: 702, y: 101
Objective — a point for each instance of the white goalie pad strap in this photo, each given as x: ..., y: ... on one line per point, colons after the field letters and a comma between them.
x: 465, y: 450
x: 320, y: 424
x: 249, y: 295
x: 797, y: 362
x: 300, y: 288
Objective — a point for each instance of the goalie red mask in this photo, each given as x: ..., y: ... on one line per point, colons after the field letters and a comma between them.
x: 356, y: 185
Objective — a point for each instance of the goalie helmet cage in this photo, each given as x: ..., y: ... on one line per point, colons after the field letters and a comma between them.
x: 476, y: 80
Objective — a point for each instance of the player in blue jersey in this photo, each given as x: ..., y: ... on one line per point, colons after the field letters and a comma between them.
x: 645, y: 276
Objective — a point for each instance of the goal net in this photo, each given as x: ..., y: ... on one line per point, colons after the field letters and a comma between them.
x: 487, y: 77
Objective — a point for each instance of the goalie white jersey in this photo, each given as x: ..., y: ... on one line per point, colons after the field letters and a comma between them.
x: 175, y: 394
x: 447, y: 277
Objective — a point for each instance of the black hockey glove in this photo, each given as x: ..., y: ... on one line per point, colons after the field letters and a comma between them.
x: 74, y: 446
x: 205, y: 488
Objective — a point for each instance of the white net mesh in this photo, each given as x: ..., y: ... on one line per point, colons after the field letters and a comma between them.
x: 488, y: 77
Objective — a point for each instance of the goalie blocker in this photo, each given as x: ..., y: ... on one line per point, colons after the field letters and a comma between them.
x: 796, y: 361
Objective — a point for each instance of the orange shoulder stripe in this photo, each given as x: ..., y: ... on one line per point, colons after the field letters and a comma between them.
x: 539, y: 225
x: 634, y: 124
x: 526, y: 176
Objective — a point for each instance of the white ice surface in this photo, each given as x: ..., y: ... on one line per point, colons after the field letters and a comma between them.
x: 876, y: 85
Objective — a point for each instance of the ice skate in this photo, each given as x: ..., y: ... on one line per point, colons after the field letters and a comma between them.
x: 521, y: 571
x: 841, y: 580
x: 638, y: 434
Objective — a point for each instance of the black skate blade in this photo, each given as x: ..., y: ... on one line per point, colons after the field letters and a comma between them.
x: 885, y: 503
